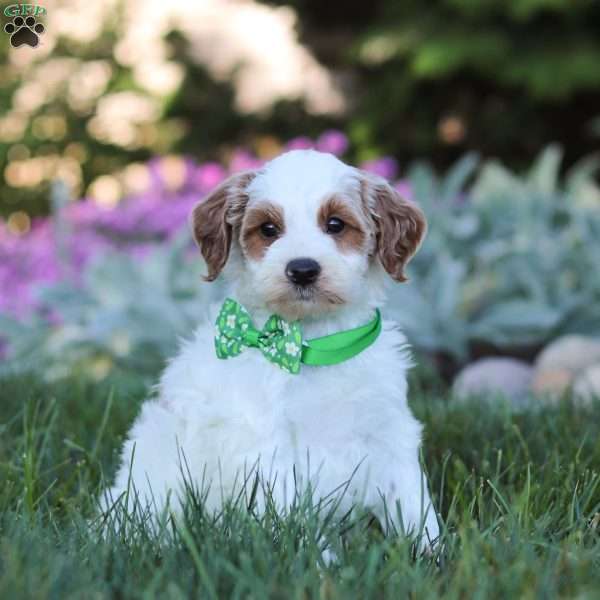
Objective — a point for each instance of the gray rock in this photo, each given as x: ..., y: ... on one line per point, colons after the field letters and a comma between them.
x: 586, y: 386
x: 552, y: 382
x: 508, y: 377
x: 561, y: 362
x: 571, y: 352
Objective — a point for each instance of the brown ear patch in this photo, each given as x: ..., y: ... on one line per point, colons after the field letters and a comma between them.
x: 254, y: 243
x: 215, y: 217
x: 400, y: 225
x: 354, y: 235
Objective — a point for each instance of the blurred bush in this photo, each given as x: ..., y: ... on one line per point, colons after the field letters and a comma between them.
x: 508, y: 264
x: 435, y: 79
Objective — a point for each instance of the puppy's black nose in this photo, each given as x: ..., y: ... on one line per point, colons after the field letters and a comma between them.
x: 302, y: 271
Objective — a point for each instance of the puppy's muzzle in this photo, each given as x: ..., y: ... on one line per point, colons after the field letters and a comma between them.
x: 302, y: 271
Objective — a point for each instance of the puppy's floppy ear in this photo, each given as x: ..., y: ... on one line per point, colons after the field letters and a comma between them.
x: 400, y: 225
x: 214, y: 218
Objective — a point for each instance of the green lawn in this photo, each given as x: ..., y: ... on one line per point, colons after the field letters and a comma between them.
x: 519, y: 495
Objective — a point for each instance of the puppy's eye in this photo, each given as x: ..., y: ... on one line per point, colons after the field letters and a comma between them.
x: 269, y: 230
x: 334, y: 225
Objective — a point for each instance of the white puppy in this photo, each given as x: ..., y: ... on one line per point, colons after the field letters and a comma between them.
x: 310, y: 239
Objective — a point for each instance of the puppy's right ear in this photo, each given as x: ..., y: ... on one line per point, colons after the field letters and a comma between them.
x: 400, y: 225
x: 214, y: 218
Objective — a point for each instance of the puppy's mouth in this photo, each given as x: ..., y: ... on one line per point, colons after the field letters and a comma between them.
x: 298, y: 301
x: 316, y: 292
x: 304, y: 293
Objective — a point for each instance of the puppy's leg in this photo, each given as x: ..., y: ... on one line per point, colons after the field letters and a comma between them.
x: 150, y: 473
x: 406, y: 507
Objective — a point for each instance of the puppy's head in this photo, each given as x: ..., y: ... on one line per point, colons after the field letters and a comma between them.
x: 307, y: 231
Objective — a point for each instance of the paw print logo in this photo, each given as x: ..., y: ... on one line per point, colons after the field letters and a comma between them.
x: 24, y: 31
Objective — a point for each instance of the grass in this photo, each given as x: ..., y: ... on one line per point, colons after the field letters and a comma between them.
x: 519, y: 494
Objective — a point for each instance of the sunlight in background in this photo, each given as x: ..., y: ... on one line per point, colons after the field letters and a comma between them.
x: 106, y: 191
x: 258, y: 42
x: 252, y: 46
x: 19, y: 223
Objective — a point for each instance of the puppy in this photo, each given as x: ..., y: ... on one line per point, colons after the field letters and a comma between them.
x: 311, y: 240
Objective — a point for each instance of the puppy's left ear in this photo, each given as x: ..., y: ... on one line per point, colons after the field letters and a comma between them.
x: 214, y: 218
x: 400, y: 225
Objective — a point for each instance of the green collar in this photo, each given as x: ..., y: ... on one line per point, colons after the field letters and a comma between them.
x: 338, y: 347
x: 281, y: 342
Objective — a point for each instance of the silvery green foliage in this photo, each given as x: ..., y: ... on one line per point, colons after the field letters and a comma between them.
x: 514, y: 265
x: 127, y: 313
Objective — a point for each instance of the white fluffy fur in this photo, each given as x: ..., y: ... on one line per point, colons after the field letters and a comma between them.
x: 325, y: 423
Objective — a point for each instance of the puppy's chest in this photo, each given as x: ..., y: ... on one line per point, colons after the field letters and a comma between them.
x: 249, y: 393
x: 317, y: 399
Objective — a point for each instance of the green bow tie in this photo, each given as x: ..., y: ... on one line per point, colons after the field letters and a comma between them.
x: 281, y: 341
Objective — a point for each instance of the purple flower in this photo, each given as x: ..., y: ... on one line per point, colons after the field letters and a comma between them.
x: 300, y: 143
x: 156, y: 176
x: 242, y: 160
x: 386, y: 166
x: 24, y: 262
x: 405, y: 189
x: 208, y: 176
x: 332, y: 141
